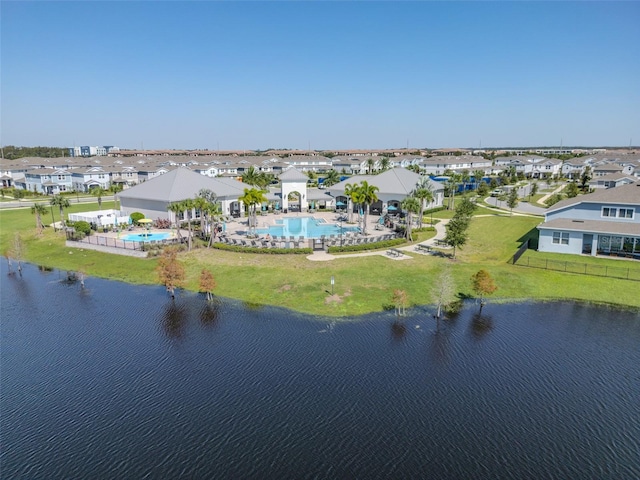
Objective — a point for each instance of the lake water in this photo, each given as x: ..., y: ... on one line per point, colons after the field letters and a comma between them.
x: 118, y: 381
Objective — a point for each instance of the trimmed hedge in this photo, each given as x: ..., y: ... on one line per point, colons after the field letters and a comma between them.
x: 434, y: 210
x: 270, y: 251
x: 136, y: 217
x: 367, y: 246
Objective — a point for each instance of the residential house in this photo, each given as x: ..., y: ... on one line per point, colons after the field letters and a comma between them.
x: 50, y: 181
x: 603, y: 222
x: 439, y: 164
x: 612, y: 180
x: 84, y: 179
x: 546, y: 168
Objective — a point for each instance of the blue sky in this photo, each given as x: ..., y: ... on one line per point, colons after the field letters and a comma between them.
x: 257, y: 75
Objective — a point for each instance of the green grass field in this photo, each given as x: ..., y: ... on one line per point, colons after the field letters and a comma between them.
x: 362, y: 284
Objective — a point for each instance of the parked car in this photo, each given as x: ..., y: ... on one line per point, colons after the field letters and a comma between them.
x: 497, y: 192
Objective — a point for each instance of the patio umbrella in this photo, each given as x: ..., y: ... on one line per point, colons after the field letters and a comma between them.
x: 392, y: 208
x: 340, y: 204
x: 146, y: 222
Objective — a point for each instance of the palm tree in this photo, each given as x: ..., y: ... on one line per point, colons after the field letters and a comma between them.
x: 187, y: 206
x: 331, y: 178
x: 424, y: 193
x: 451, y: 185
x: 465, y: 177
x: 410, y: 205
x: 385, y: 163
x: 62, y: 203
x: 251, y: 198
x: 478, y: 175
x: 39, y: 210
x: 351, y: 192
x: 370, y: 164
x: 251, y: 176
x: 98, y: 192
x: 176, y: 208
x: 206, y: 203
x: 367, y: 197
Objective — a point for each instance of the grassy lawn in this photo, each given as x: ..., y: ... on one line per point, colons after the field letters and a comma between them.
x: 362, y: 284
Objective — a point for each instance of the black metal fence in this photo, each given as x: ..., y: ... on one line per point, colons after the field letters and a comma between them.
x: 626, y: 273
x: 125, y: 244
x: 523, y: 248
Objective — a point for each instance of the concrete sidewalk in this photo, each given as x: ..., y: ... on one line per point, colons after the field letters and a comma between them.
x: 323, y: 256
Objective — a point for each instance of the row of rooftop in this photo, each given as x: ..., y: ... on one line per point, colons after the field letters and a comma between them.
x: 53, y: 175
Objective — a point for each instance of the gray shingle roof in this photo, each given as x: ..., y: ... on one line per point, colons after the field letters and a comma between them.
x: 626, y: 194
x: 396, y: 181
x: 595, y: 226
x: 182, y: 183
x: 293, y: 175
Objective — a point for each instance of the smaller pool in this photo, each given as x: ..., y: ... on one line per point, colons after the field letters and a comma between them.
x: 145, y: 237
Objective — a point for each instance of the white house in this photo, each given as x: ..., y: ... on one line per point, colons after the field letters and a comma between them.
x: 604, y: 222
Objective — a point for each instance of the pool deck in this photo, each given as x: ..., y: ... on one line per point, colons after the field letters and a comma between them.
x: 236, y: 228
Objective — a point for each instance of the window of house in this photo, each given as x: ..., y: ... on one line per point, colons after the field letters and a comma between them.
x: 561, y: 238
x: 625, y: 213
x: 609, y: 212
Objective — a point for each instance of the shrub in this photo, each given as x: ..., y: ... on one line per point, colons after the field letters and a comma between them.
x: 269, y: 251
x: 136, y: 217
x: 162, y: 223
x: 367, y: 246
x: 82, y: 226
x: 434, y: 210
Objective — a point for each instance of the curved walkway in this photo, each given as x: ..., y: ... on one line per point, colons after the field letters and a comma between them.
x: 322, y: 256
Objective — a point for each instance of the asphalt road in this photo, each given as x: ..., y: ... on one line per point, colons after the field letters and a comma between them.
x: 72, y: 200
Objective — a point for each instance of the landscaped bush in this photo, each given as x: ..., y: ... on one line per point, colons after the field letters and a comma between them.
x: 136, y: 217
x: 81, y: 226
x: 434, y: 210
x: 367, y: 246
x: 424, y: 229
x: 162, y: 223
x: 270, y: 251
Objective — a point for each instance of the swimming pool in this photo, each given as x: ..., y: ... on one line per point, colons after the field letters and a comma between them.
x: 145, y: 237
x: 307, y: 227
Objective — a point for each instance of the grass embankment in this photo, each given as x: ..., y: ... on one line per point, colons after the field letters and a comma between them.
x: 362, y: 284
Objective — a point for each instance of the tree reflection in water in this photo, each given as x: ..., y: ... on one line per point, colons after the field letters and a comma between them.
x: 209, y: 314
x: 174, y: 319
x: 398, y: 331
x: 481, y: 325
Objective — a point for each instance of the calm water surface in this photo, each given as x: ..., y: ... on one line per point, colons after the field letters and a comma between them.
x: 118, y: 381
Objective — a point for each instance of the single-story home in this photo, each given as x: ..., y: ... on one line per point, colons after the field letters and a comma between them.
x: 394, y: 185
x: 152, y: 198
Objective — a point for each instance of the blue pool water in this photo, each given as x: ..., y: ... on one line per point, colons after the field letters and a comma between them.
x: 145, y: 237
x: 307, y: 227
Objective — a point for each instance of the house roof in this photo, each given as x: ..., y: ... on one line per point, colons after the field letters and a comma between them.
x: 293, y: 175
x: 182, y: 183
x: 595, y: 226
x: 395, y: 181
x: 625, y: 194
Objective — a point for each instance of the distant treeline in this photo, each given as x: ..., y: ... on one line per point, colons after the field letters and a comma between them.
x: 11, y: 153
